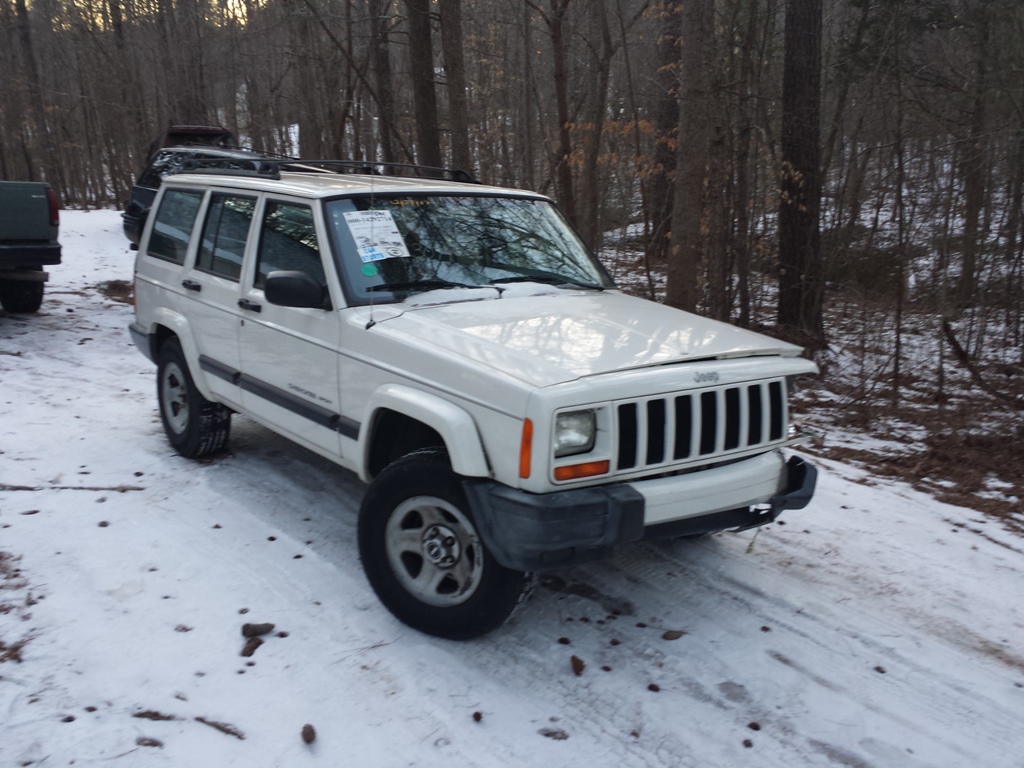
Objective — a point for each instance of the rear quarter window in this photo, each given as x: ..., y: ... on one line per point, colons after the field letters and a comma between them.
x: 173, y: 225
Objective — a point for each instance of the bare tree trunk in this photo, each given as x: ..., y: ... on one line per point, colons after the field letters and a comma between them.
x: 684, y: 266
x: 1014, y: 243
x: 563, y: 168
x: 590, y: 176
x: 843, y: 91
x: 665, y: 120
x: 717, y: 219
x: 349, y: 109
x: 526, y: 145
x: 307, y: 112
x: 380, y: 23
x: 41, y: 134
x: 644, y: 188
x: 128, y: 88
x: 741, y: 241
x: 188, y: 103
x: 942, y: 277
x: 901, y: 223
x: 421, y: 60
x: 800, y: 269
x: 974, y: 171
x: 455, y: 75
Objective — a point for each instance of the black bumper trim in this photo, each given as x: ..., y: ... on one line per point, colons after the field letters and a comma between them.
x: 802, y: 478
x: 539, y: 532
x: 144, y: 341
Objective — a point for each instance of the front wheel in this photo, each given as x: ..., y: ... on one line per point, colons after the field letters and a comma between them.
x: 194, y: 426
x: 423, y: 556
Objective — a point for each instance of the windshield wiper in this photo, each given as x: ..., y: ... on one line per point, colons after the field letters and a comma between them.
x: 427, y: 284
x: 549, y: 279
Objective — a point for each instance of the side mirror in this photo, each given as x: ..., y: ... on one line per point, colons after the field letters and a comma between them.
x: 289, y: 288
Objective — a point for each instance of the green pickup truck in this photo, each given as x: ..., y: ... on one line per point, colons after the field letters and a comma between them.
x: 29, y: 219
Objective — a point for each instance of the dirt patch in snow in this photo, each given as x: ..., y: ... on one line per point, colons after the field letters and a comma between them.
x: 116, y: 290
x: 15, y: 601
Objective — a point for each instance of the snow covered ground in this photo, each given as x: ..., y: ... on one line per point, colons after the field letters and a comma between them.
x: 875, y: 628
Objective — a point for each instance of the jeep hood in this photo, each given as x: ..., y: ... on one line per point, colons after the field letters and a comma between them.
x: 564, y: 335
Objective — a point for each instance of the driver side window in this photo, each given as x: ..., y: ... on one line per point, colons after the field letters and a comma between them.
x: 288, y: 241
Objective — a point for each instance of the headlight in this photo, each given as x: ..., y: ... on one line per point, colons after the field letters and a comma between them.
x: 574, y: 433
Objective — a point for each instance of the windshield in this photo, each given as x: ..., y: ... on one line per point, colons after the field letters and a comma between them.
x: 391, y: 248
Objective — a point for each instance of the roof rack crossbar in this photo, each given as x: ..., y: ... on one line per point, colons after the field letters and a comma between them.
x: 375, y: 168
x: 271, y: 167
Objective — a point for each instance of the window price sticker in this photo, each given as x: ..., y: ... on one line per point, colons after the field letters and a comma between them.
x: 376, y: 235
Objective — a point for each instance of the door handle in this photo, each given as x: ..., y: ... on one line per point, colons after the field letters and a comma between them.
x: 252, y: 306
x: 191, y: 285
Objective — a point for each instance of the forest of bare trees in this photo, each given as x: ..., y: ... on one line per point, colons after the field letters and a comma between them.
x: 864, y: 158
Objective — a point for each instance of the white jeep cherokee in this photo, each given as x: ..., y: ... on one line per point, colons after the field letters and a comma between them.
x: 458, y: 347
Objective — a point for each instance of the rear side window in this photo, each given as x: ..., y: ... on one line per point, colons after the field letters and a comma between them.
x: 288, y: 241
x: 224, y: 235
x: 173, y: 225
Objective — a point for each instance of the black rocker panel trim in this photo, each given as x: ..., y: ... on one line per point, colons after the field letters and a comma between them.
x: 320, y: 416
x: 219, y: 370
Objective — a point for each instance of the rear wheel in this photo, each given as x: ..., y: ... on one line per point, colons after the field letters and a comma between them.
x: 423, y: 556
x: 21, y: 296
x: 194, y: 425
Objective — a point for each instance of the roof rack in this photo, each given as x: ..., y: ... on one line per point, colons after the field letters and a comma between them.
x: 376, y: 168
x: 264, y: 168
x: 271, y: 167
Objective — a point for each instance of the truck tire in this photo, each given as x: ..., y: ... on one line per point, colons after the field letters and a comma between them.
x: 194, y: 425
x: 21, y: 296
x: 423, y: 556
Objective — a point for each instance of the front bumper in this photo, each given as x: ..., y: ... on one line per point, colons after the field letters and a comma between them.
x: 538, y: 532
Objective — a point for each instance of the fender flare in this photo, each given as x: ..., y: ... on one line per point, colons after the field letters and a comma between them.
x: 178, y: 325
x: 455, y: 426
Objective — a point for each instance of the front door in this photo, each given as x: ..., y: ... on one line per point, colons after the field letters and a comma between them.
x: 289, y: 358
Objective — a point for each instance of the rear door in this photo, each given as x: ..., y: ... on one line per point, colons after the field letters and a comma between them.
x: 213, y: 285
x: 289, y: 357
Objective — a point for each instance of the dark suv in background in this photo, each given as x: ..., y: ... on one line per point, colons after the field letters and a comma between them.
x: 170, y: 153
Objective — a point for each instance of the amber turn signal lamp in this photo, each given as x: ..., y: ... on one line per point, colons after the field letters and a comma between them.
x: 526, y: 449
x: 576, y: 471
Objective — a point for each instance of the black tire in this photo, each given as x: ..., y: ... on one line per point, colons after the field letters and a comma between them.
x: 194, y: 425
x: 21, y: 296
x: 423, y: 556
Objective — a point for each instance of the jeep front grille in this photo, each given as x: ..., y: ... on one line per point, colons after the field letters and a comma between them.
x: 699, y: 426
